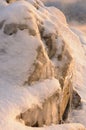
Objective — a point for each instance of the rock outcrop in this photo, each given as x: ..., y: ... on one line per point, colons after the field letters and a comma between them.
x: 45, y: 115
x: 33, y: 50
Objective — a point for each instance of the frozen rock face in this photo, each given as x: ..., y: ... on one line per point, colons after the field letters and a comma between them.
x: 35, y: 49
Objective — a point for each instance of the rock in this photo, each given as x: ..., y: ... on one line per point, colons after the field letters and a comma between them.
x: 36, y: 46
x: 10, y: 1
x: 46, y: 115
x: 44, y: 68
x: 22, y: 26
x: 50, y: 41
x: 42, y: 47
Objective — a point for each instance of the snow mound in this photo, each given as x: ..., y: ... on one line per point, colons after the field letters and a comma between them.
x: 37, y: 54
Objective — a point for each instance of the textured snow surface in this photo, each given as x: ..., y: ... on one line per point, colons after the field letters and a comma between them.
x: 17, y: 55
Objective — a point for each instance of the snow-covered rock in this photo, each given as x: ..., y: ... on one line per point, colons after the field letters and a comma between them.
x: 37, y: 56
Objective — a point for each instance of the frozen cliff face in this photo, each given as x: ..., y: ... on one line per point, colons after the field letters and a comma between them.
x: 38, y: 53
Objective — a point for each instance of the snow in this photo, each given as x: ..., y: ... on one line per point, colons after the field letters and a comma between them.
x: 18, y: 98
x: 14, y: 62
x: 17, y: 56
x: 79, y: 115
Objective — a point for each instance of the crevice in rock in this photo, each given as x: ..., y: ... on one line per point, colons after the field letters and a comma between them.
x: 35, y: 125
x: 10, y: 1
x: 51, y: 44
x: 36, y: 5
x: 50, y: 41
x: 64, y: 64
x: 64, y: 74
x: 66, y: 112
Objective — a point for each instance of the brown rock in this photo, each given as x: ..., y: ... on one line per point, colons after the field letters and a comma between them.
x: 46, y: 115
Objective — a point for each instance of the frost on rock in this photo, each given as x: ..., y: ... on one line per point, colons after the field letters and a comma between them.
x: 36, y: 65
